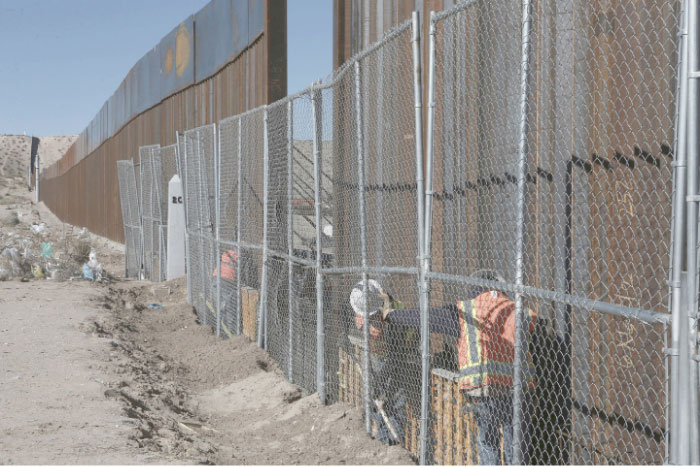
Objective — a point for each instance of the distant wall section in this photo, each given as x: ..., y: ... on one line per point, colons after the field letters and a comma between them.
x: 229, y: 57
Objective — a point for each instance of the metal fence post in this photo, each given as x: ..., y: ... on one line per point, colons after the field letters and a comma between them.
x: 290, y: 238
x: 424, y: 298
x: 692, y: 246
x: 154, y: 202
x: 36, y: 177
x: 689, y: 313
x: 316, y: 115
x: 678, y: 234
x: 200, y: 228
x: 520, y: 343
x: 217, y: 227
x: 142, y: 265
x: 239, y: 203
x: 363, y: 246
x: 262, y: 311
x: 182, y: 170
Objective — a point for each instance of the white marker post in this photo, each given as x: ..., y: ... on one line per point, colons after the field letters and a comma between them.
x: 176, y: 229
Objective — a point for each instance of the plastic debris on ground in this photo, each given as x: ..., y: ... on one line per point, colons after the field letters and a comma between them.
x: 46, y: 250
x: 37, y: 272
x: 37, y: 228
x: 87, y: 273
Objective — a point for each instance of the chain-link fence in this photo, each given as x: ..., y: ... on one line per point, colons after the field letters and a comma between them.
x: 151, y: 205
x: 131, y: 217
x: 558, y: 175
x: 510, y: 306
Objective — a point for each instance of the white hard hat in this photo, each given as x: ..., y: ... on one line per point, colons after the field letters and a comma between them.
x: 375, y: 299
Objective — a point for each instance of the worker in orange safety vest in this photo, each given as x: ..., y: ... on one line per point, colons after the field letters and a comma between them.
x: 484, y: 328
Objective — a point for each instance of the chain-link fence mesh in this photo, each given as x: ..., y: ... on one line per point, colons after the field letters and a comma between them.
x: 540, y: 279
x: 596, y: 206
x: 131, y: 217
x: 199, y: 147
x: 149, y: 157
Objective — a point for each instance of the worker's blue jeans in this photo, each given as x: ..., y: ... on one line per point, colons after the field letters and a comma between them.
x: 493, y: 414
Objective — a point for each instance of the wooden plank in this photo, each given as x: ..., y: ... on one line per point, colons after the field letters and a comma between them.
x: 459, y: 428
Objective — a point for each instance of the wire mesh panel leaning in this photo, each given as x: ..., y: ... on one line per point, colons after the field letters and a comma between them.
x: 130, y: 217
x: 228, y: 249
x: 596, y: 190
x: 200, y: 192
x: 157, y: 200
x: 149, y: 209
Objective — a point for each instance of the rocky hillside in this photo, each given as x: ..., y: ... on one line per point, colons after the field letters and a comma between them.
x: 15, y: 152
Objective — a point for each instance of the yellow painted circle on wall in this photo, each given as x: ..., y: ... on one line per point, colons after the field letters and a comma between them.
x: 182, y: 49
x: 168, y: 60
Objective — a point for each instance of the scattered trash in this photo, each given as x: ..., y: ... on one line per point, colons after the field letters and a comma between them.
x: 37, y: 272
x: 155, y: 306
x: 46, y: 250
x: 87, y: 273
x: 94, y: 265
x: 37, y: 228
x: 11, y: 253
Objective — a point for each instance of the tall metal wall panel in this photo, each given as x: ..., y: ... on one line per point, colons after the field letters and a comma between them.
x: 224, y: 29
x: 176, y: 53
x: 160, y: 96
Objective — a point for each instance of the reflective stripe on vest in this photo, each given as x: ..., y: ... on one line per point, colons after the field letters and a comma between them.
x: 483, y: 361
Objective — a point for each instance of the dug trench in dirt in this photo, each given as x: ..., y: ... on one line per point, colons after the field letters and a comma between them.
x: 222, y: 401
x: 89, y: 374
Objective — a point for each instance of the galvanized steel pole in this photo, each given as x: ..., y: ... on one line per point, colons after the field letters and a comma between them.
x: 316, y: 116
x: 154, y: 205
x: 424, y: 299
x: 290, y: 239
x: 363, y: 247
x: 429, y: 147
x: 217, y: 247
x: 262, y: 312
x: 692, y: 246
x: 181, y: 171
x: 200, y: 227
x: 142, y: 253
x: 520, y: 343
x: 676, y: 247
x: 690, y: 312
x: 36, y: 177
x: 239, y: 190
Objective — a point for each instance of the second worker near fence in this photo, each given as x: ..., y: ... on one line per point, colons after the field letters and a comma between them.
x: 483, y: 326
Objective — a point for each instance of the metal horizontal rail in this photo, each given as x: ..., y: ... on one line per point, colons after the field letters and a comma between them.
x: 279, y: 254
x: 639, y: 314
x: 455, y: 9
x: 370, y: 270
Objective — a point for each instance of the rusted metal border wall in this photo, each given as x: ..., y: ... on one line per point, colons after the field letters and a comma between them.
x: 229, y: 57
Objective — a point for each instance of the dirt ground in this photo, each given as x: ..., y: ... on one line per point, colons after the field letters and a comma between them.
x: 90, y: 374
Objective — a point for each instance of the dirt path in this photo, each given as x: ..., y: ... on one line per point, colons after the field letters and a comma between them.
x: 220, y: 401
x: 90, y: 375
x: 53, y: 380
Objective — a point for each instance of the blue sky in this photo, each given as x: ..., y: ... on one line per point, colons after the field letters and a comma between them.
x: 61, y: 59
